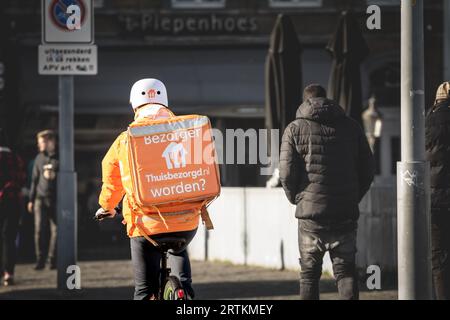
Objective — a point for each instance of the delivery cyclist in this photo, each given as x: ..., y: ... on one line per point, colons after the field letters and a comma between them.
x: 148, y: 99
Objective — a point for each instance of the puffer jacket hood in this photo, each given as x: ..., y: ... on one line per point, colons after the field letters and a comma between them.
x: 321, y: 110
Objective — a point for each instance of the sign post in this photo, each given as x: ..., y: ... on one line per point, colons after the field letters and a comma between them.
x: 67, y: 49
x: 67, y: 184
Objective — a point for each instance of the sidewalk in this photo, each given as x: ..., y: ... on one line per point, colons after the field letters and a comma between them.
x: 113, y: 280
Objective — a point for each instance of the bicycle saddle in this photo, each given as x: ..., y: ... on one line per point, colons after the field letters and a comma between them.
x: 171, y: 243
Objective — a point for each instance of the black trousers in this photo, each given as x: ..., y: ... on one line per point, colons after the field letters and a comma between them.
x: 342, y: 248
x: 146, y: 261
x: 440, y: 249
x: 45, y: 229
x: 9, y: 224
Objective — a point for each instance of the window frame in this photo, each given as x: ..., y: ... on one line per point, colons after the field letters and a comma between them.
x: 383, y: 3
x: 296, y: 4
x: 198, y: 4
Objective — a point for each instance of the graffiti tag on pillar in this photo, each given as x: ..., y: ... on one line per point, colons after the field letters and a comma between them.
x: 67, y: 214
x: 410, y: 178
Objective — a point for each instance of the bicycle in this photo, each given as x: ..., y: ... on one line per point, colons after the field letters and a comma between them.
x: 170, y: 287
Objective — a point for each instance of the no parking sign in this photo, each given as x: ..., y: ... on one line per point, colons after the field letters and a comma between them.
x: 67, y: 21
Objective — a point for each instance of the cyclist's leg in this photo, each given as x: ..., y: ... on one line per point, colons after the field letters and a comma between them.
x: 180, y: 264
x: 146, y: 264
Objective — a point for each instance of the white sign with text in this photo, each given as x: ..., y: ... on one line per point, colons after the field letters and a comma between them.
x: 67, y: 60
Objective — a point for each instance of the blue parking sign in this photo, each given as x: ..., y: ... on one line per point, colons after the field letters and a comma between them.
x: 59, y: 14
x: 67, y: 21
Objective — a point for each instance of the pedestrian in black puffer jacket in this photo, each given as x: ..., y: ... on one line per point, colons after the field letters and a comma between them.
x: 326, y: 167
x: 438, y: 154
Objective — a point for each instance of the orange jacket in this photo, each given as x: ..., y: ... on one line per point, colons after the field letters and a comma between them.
x: 117, y: 184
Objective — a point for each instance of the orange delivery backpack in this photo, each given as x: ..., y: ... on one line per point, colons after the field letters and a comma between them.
x: 173, y: 166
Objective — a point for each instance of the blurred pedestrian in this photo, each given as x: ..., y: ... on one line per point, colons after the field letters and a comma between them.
x: 438, y: 153
x: 12, y: 177
x: 43, y: 199
x: 326, y: 167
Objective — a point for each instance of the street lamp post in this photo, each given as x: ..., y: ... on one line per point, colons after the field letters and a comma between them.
x: 413, y: 190
x: 373, y: 122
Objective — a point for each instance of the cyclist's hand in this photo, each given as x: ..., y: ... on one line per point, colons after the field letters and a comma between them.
x: 30, y: 207
x: 102, y: 214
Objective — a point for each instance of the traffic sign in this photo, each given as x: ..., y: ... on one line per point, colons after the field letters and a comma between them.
x: 67, y: 31
x: 68, y: 59
x: 67, y: 21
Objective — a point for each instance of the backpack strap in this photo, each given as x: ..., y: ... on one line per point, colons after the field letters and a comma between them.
x: 144, y: 234
x: 205, y: 216
x: 203, y: 213
x: 162, y: 217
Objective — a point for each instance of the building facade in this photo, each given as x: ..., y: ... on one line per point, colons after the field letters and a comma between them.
x: 211, y: 55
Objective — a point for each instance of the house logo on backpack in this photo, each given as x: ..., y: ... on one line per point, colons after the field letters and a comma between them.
x: 175, y: 156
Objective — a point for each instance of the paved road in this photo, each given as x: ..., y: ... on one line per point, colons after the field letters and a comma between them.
x: 113, y: 280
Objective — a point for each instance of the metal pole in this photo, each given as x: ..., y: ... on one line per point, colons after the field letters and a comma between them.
x: 67, y: 208
x: 413, y: 190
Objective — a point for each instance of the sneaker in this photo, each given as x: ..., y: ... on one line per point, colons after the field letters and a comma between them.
x: 190, y: 293
x: 8, y: 280
x: 39, y: 266
x: 52, y: 263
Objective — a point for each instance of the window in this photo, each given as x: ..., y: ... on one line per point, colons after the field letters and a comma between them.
x: 190, y: 4
x: 98, y: 4
x: 396, y: 154
x: 377, y: 156
x: 295, y: 3
x: 385, y: 84
x: 384, y: 2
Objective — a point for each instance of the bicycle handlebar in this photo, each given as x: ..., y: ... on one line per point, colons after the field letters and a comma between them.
x: 101, y: 216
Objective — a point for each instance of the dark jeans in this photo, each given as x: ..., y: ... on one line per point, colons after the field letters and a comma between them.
x: 9, y: 224
x: 146, y: 261
x: 440, y: 248
x: 45, y: 226
x: 342, y: 248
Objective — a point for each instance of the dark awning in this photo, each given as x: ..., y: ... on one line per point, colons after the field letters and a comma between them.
x: 214, y: 81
